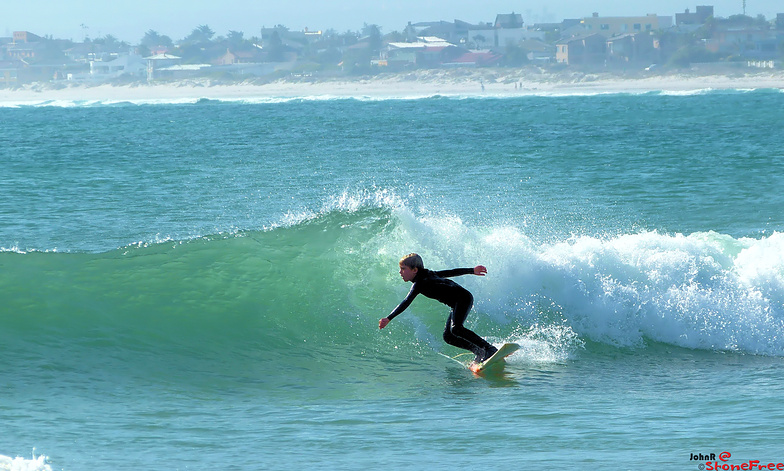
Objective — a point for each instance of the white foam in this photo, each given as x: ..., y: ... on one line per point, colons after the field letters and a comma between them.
x: 546, y: 344
x: 283, y: 93
x: 20, y: 464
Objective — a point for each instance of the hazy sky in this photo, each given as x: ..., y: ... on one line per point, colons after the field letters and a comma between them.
x: 128, y: 21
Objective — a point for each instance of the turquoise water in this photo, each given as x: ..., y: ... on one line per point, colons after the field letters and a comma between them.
x: 198, y: 285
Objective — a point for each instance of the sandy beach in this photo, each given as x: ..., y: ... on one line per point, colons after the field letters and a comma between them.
x: 487, y: 82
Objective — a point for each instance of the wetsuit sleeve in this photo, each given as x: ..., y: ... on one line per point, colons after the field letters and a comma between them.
x: 405, y: 303
x: 455, y: 272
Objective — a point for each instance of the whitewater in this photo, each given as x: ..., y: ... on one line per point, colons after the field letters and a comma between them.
x: 198, y: 285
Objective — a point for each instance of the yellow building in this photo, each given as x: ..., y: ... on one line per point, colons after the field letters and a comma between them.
x: 613, y: 25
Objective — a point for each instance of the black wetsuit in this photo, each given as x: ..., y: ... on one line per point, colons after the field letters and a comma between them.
x: 435, y: 285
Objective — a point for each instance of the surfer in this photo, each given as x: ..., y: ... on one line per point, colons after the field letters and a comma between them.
x: 435, y: 285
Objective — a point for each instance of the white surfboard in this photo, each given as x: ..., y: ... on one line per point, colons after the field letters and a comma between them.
x: 503, y: 352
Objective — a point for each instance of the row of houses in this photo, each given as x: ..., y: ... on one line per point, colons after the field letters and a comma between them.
x: 591, y: 41
x: 623, y: 40
x: 27, y: 58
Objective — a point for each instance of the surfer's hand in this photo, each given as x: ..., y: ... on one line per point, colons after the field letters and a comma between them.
x: 383, y: 323
x: 480, y: 270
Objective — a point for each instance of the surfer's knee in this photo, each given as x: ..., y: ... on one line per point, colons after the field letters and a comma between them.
x: 456, y: 330
x: 451, y: 333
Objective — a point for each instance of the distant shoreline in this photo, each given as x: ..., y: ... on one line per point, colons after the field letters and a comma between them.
x: 422, y: 83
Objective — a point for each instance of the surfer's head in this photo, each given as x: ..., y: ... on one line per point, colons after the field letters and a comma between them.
x: 410, y: 266
x: 412, y: 260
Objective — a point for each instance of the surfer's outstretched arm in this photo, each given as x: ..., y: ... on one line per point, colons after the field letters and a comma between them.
x: 400, y: 307
x: 479, y: 270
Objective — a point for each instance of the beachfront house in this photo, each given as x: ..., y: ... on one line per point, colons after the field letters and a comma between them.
x: 473, y: 59
x: 425, y: 52
x: 129, y: 65
x: 26, y: 57
x: 612, y: 26
x: 538, y: 51
x: 748, y: 42
x: 692, y: 21
x: 245, y: 62
x: 640, y: 48
x: 507, y: 29
x: 453, y: 32
x: 165, y: 66
x: 587, y: 49
x: 25, y: 46
x: 9, y: 72
x: 233, y: 57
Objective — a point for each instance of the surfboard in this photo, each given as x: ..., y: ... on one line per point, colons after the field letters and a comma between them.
x: 503, y: 352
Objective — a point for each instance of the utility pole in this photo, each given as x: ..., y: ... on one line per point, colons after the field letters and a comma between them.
x: 744, y: 7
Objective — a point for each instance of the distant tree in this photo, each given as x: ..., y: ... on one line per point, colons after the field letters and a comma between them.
x: 152, y: 40
x: 50, y: 53
x: 275, y: 48
x: 686, y: 55
x: 330, y: 56
x: 112, y: 44
x: 349, y: 38
x: 373, y: 33
x: 200, y: 35
x: 395, y: 37
x: 194, y: 49
x: 672, y: 43
x: 356, y: 61
x: 235, y: 38
x: 743, y: 21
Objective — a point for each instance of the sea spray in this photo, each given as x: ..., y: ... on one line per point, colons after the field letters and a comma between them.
x: 36, y: 463
x: 699, y: 291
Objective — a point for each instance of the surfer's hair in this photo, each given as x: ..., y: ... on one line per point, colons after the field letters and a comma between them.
x: 413, y: 260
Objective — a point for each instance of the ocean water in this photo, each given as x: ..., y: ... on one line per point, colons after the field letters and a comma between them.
x: 197, y: 285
